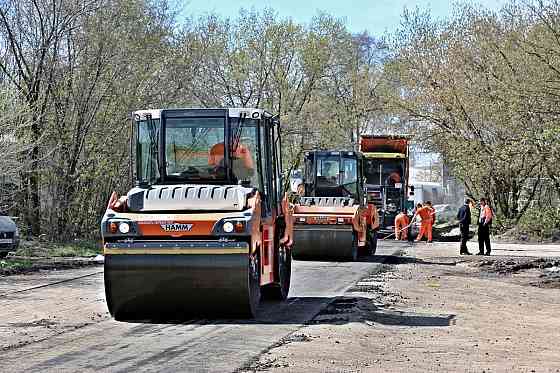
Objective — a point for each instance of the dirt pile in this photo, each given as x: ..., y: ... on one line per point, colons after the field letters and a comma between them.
x: 539, y: 272
x: 513, y: 265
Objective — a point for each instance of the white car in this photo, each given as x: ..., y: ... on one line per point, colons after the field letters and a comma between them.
x: 9, y: 236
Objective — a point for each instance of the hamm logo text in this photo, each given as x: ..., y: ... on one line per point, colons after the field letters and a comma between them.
x: 177, y: 227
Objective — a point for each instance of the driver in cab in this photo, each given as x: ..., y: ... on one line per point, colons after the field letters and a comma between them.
x: 394, y: 178
x: 330, y: 172
x: 242, y: 160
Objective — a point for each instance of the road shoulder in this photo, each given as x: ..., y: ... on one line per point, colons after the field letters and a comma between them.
x: 435, y: 311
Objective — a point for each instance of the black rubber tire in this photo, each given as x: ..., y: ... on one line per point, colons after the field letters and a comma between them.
x: 254, y: 283
x: 109, y: 297
x: 372, y: 242
x: 280, y: 290
x: 355, y: 247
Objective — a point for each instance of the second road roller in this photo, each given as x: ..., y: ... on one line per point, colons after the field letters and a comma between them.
x: 332, y: 217
x: 207, y: 228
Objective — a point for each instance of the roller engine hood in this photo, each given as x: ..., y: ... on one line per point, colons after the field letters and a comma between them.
x: 187, y: 197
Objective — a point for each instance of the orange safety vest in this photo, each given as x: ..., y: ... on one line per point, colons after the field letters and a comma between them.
x: 217, y: 155
x: 426, y: 214
x: 486, y: 215
x: 401, y: 219
x: 373, y: 215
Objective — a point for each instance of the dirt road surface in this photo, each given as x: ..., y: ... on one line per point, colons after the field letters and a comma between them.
x: 57, y: 321
x: 432, y: 310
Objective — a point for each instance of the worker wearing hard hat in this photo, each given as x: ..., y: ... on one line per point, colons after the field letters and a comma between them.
x: 401, y: 225
x: 427, y: 214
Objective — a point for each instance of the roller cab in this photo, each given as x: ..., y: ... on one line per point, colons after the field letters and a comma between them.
x: 332, y: 219
x: 207, y: 230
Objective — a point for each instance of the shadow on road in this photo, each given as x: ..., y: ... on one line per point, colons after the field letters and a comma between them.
x: 297, y: 310
x: 317, y: 310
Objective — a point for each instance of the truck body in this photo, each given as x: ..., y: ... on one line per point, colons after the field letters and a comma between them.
x: 386, y: 170
x: 428, y: 191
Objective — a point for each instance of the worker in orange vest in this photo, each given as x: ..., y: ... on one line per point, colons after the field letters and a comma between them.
x: 374, y: 217
x: 432, y: 213
x: 401, y: 225
x: 427, y: 214
x: 394, y: 178
x: 242, y: 162
x: 484, y: 222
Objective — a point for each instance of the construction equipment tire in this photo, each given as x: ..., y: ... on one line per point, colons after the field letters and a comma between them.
x: 355, y: 247
x: 254, y: 283
x: 372, y: 242
x: 280, y: 290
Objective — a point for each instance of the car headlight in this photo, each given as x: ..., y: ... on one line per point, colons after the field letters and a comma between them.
x: 228, y: 227
x: 120, y: 228
x: 231, y: 226
x: 124, y: 228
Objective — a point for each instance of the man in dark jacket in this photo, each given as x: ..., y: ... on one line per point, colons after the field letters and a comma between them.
x: 464, y: 217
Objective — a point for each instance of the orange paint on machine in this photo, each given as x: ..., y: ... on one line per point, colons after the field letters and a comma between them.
x: 176, y: 228
x: 193, y: 237
x: 332, y: 219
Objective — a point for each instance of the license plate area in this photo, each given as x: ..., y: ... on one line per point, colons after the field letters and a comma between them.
x: 320, y: 220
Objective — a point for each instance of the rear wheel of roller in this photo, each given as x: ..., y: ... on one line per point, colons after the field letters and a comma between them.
x: 254, y: 283
x: 280, y: 290
x: 372, y: 242
x: 355, y: 248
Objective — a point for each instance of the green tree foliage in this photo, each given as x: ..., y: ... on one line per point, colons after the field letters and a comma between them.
x: 482, y: 89
x: 76, y: 70
x: 76, y: 77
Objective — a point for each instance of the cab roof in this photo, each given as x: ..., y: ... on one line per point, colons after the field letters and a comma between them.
x: 230, y: 112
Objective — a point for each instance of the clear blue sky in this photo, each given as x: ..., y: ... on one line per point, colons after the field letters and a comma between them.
x: 375, y: 16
